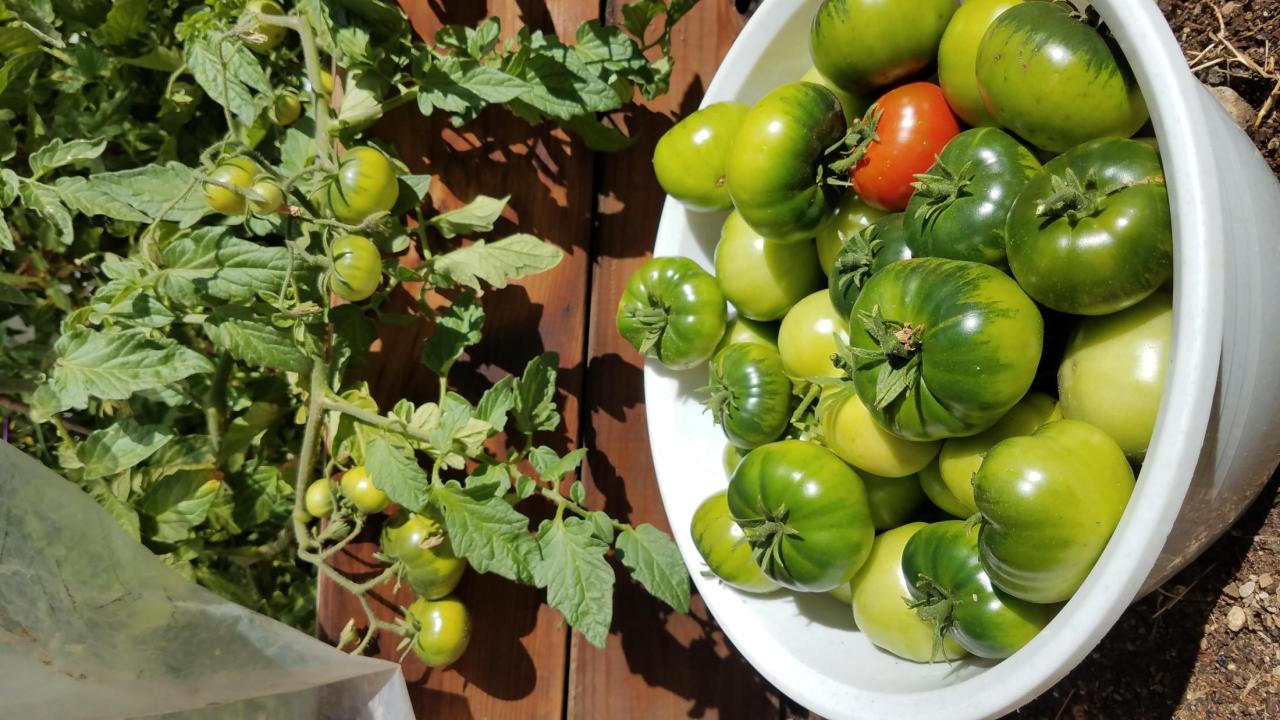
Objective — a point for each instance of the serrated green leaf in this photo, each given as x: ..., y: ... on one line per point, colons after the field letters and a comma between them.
x: 362, y: 99
x: 45, y: 202
x: 488, y: 532
x: 535, y: 392
x: 160, y: 59
x: 154, y: 192
x: 15, y: 78
x: 597, y: 135
x: 353, y: 333
x: 229, y: 72
x: 417, y: 186
x: 458, y: 328
x: 120, y: 510
x: 578, y: 579
x: 463, y: 86
x: 9, y: 187
x: 6, y: 240
x: 637, y: 16
x: 56, y: 153
x: 38, y: 19
x: 489, y: 481
x: 210, y: 264
x: 244, y: 430
x: 261, y: 496
x: 561, y: 84
x: 120, y: 447
x: 16, y: 40
x: 653, y: 559
x: 238, y: 331
x: 601, y: 526
x: 396, y: 473
x: 496, y: 263
x: 552, y: 467
x: 126, y: 20
x: 525, y: 487
x: 496, y: 402
x: 476, y: 216
x: 176, y: 504
x: 123, y: 302
x: 113, y: 366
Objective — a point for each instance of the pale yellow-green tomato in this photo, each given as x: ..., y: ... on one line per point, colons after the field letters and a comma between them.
x: 878, y: 590
x: 850, y: 431
x: 763, y: 278
x: 893, y: 501
x: 808, y: 335
x: 724, y: 547
x: 851, y: 216
x: 1112, y: 374
x: 958, y: 57
x: 852, y: 105
x: 939, y: 494
x: 742, y: 330
x: 961, y: 457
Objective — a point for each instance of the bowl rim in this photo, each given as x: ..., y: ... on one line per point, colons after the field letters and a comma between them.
x: 1178, y: 112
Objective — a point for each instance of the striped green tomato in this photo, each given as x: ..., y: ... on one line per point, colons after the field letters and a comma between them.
x: 723, y: 546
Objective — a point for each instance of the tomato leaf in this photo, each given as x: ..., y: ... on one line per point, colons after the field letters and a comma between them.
x: 55, y: 154
x: 397, y: 474
x: 496, y: 403
x: 244, y: 431
x: 458, y: 328
x: 99, y: 490
x: 496, y: 263
x: 112, y: 366
x: 176, y: 504
x: 535, y: 392
x: 654, y: 561
x: 152, y: 192
x: 476, y: 216
x: 488, y: 532
x: 120, y: 447
x: 230, y: 73
x: 578, y: 579
x: 44, y: 201
x: 552, y: 467
x: 210, y: 264
x: 239, y: 332
x: 126, y: 20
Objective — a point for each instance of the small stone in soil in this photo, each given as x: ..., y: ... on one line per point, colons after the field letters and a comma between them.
x: 1264, y: 580
x: 1235, y: 618
x: 1229, y: 9
x: 1247, y: 589
x: 1232, y: 589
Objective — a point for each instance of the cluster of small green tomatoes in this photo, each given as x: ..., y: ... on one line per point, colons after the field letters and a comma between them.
x: 948, y: 345
x: 420, y: 547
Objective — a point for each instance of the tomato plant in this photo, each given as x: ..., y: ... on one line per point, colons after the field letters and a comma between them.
x: 724, y: 547
x: 899, y: 138
x: 673, y: 310
x: 1049, y: 503
x: 690, y: 158
x: 926, y: 328
x: 1036, y: 45
x: 749, y: 394
x: 954, y: 596
x: 1091, y: 234
x: 804, y: 513
x: 148, y: 308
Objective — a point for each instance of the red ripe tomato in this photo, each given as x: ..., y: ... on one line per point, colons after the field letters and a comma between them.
x: 914, y: 123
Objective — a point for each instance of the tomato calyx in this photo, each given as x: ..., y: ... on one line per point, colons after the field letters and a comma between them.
x: 853, y: 263
x: 897, y: 353
x: 1076, y: 199
x: 653, y: 320
x: 936, y: 609
x: 766, y: 535
x: 852, y: 148
x: 721, y: 399
x: 940, y: 188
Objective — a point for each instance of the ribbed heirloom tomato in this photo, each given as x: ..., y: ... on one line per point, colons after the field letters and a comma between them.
x: 749, y: 394
x: 900, y: 137
x: 865, y: 44
x: 864, y: 254
x: 723, y: 546
x: 673, y: 310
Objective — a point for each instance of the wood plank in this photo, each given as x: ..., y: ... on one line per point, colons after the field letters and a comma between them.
x: 515, y: 665
x: 657, y: 663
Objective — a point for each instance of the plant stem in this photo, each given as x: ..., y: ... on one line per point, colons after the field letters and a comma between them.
x: 369, y: 417
x: 563, y: 503
x: 311, y: 58
x: 215, y: 407
x: 306, y: 455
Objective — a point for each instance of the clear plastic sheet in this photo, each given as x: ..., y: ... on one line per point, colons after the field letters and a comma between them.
x: 92, y: 625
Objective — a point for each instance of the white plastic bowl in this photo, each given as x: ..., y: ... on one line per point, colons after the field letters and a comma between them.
x: 1216, y: 441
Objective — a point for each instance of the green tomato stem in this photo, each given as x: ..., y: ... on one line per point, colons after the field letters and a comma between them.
x: 311, y: 59
x: 215, y: 405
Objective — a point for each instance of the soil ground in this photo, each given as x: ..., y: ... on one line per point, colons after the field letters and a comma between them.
x: 1207, y: 644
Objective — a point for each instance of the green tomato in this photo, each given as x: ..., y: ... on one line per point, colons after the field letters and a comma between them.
x: 804, y: 512
x: 959, y: 208
x: 266, y: 197
x: 961, y: 456
x: 1090, y: 234
x: 879, y: 603
x: 1112, y: 375
x: 1049, y: 503
x: 742, y: 330
x: 958, y: 57
x: 690, y: 158
x: 419, y: 542
x: 1054, y: 80
x: 959, y: 340
x: 893, y: 501
x: 286, y: 108
x: 673, y: 310
x: 763, y: 278
x: 319, y: 498
x: 939, y: 494
x: 357, y: 486
x: 864, y: 254
x: 366, y: 183
x: 807, y: 337
x: 851, y: 432
x: 237, y: 171
x: 263, y: 37
x: 357, y: 268
x: 731, y: 457
x: 953, y: 595
x: 777, y: 170
x: 444, y: 630
x: 865, y: 44
x: 724, y: 547
x: 852, y: 105
x: 750, y: 394
x: 852, y: 215
x: 844, y: 593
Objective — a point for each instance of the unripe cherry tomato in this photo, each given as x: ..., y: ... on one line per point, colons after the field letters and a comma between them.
x: 319, y: 498
x: 357, y: 268
x: 445, y: 630
x: 268, y: 36
x: 270, y: 197
x: 237, y: 171
x: 357, y: 486
x: 365, y: 184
